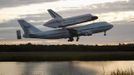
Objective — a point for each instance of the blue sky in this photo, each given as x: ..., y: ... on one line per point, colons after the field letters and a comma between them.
x: 117, y: 12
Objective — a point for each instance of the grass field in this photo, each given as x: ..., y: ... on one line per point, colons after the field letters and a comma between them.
x: 29, y: 52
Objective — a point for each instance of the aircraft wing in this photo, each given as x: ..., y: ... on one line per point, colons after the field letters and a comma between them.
x: 54, y: 14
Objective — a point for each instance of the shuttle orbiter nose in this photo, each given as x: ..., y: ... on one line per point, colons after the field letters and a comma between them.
x: 94, y: 17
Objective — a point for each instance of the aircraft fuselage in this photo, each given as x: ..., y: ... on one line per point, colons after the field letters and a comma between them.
x: 86, y: 30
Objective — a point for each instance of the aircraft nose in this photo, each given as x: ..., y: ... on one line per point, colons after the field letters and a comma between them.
x: 94, y: 17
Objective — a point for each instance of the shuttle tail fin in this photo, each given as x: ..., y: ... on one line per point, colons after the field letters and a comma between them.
x: 27, y: 28
x: 54, y: 14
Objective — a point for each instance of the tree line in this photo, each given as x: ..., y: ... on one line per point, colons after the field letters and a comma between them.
x: 31, y: 47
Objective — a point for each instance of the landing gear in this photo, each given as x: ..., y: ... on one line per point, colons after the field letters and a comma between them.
x: 73, y: 33
x: 105, y: 33
x: 77, y: 39
x: 70, y: 39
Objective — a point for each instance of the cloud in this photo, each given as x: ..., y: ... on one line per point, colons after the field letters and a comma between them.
x: 113, y: 6
x: 117, y: 16
x: 16, y: 12
x: 13, y: 3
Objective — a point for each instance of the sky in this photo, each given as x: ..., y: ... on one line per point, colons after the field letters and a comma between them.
x: 120, y: 13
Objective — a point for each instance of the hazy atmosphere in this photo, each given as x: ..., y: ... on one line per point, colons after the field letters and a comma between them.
x: 120, y: 13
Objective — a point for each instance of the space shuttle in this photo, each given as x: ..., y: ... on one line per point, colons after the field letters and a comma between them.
x: 58, y: 21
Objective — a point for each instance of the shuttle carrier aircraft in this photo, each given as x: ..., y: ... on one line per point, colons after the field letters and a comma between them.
x: 32, y: 32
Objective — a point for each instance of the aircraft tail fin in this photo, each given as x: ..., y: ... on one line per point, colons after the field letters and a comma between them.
x: 27, y: 28
x: 54, y: 14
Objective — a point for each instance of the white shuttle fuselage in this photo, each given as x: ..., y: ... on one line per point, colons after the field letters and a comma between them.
x: 58, y: 21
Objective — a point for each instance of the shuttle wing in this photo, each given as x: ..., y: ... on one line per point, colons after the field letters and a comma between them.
x: 54, y: 14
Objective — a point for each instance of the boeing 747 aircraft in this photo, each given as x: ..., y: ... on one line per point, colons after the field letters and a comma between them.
x: 59, y: 22
x: 87, y: 30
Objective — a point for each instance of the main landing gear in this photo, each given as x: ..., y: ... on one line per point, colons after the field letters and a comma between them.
x: 72, y: 39
x: 73, y: 33
x: 77, y: 39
